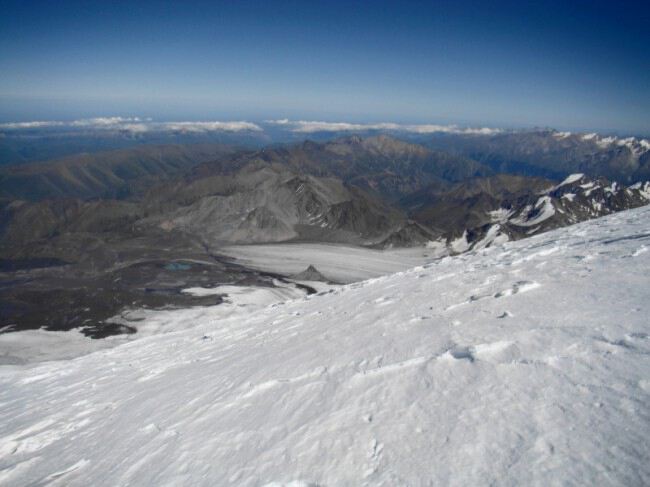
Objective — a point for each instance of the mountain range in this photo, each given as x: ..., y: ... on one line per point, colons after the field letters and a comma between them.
x: 115, y: 220
x: 553, y: 154
x: 111, y: 174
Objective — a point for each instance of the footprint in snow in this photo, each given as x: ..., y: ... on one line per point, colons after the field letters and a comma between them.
x: 641, y: 250
x: 496, y: 352
x: 419, y: 319
x: 459, y: 353
x: 374, y: 457
x: 473, y: 298
x: 518, y: 287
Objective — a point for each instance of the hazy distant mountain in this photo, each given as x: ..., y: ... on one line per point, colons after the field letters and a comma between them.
x: 387, y: 166
x: 553, y: 154
x: 33, y: 145
x: 108, y: 174
x: 376, y: 191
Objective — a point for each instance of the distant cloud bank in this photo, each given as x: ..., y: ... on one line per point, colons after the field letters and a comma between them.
x: 210, y: 126
x: 135, y: 125
x: 141, y: 126
x: 29, y: 125
x: 304, y: 126
x: 138, y: 125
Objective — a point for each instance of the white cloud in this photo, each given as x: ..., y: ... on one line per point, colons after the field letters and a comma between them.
x: 104, y: 122
x: 209, y: 126
x: 481, y: 131
x: 304, y: 126
x: 282, y: 121
x: 29, y: 125
x: 136, y: 125
x: 136, y: 128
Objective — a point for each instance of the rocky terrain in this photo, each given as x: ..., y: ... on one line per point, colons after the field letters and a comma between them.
x: 485, y: 210
x: 91, y: 235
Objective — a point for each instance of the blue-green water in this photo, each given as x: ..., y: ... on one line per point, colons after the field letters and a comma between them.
x: 177, y: 266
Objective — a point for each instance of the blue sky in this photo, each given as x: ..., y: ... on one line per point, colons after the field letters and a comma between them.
x: 569, y: 65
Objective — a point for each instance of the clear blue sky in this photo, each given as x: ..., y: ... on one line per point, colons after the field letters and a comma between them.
x: 569, y: 64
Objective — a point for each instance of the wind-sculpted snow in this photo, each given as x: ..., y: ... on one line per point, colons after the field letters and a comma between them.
x: 526, y: 363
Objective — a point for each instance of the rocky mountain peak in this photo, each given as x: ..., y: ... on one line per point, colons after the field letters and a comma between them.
x: 310, y: 274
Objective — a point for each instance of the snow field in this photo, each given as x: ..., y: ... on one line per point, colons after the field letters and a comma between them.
x: 338, y: 263
x: 521, y: 364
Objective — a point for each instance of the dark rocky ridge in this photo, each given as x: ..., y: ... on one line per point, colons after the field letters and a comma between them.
x: 527, y: 213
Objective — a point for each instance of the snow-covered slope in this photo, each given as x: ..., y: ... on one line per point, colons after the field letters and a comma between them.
x: 522, y: 364
x: 637, y: 147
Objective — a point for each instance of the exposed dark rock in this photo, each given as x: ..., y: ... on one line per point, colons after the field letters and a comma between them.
x: 309, y: 274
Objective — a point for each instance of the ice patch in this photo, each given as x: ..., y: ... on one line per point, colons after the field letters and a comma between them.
x: 545, y: 210
x: 460, y: 244
x: 571, y: 179
x: 492, y: 237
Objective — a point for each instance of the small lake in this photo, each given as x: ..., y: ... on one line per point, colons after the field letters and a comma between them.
x: 178, y: 266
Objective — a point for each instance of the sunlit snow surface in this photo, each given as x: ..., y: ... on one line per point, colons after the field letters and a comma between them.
x: 339, y: 263
x: 30, y: 346
x: 521, y: 364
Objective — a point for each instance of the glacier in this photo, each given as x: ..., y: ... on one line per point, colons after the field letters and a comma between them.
x: 525, y: 363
